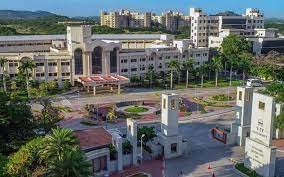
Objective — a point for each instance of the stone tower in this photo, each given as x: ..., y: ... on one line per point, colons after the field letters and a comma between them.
x: 170, y: 109
x: 169, y: 137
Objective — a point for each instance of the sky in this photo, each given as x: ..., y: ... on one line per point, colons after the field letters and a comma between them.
x: 271, y: 8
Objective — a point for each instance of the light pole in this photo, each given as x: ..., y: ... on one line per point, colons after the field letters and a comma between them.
x: 78, y: 97
x: 142, y: 136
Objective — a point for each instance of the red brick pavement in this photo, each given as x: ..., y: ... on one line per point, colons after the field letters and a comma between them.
x: 153, y: 167
x: 279, y: 144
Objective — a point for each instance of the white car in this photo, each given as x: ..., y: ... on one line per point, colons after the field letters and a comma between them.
x: 254, y: 83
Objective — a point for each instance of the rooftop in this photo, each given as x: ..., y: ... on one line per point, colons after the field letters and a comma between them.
x: 93, y: 138
x: 95, y: 37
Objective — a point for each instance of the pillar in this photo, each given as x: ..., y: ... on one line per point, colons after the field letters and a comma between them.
x: 106, y: 62
x: 118, y: 89
x: 88, y: 89
x: 94, y: 90
x: 118, y: 146
x: 59, y: 74
x: 132, y: 137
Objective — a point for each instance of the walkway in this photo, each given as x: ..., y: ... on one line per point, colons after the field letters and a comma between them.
x: 153, y: 167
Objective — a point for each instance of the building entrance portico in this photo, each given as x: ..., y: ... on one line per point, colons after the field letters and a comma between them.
x: 101, y: 81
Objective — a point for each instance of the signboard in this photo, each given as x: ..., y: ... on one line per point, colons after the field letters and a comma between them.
x: 260, y: 158
x: 219, y: 135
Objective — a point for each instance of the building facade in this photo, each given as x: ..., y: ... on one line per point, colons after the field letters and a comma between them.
x: 126, y: 19
x: 171, y: 21
x: 80, y: 54
x: 204, y: 26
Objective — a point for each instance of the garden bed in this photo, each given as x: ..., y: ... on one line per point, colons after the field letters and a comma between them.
x: 246, y: 171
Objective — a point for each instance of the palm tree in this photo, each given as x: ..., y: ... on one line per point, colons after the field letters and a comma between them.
x: 202, y: 70
x: 72, y: 164
x: 57, y: 143
x: 232, y: 61
x: 217, y: 66
x: 111, y: 115
x: 189, y: 67
x: 3, y: 61
x: 174, y: 65
x: 26, y: 66
x: 245, y: 64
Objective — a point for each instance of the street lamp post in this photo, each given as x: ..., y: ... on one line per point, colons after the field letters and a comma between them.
x: 78, y: 97
x: 142, y: 136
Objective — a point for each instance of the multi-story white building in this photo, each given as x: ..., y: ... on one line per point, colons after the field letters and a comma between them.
x: 126, y: 19
x: 204, y: 26
x: 80, y: 56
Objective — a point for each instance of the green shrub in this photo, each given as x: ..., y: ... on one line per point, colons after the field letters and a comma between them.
x: 112, y: 152
x: 127, y: 147
x: 245, y: 170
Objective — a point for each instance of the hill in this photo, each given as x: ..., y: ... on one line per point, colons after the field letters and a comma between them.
x: 23, y: 15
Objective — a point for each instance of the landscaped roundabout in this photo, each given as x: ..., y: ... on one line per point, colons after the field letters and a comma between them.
x: 137, y: 109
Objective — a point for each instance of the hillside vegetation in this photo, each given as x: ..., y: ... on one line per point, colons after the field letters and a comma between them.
x: 275, y: 23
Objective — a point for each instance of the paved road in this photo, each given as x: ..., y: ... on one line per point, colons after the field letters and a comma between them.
x: 78, y: 100
x: 204, y: 151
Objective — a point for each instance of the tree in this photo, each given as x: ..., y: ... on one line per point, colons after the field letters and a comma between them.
x: 3, y: 162
x: 173, y: 65
x: 189, y: 67
x: 149, y: 133
x: 3, y: 61
x: 111, y: 115
x: 72, y: 164
x: 217, y: 65
x: 66, y: 85
x: 26, y: 162
x: 202, y: 70
x: 26, y: 66
x: 126, y: 147
x: 57, y: 143
x: 48, y: 116
x: 232, y: 47
x: 245, y: 64
x: 279, y: 121
x: 16, y: 124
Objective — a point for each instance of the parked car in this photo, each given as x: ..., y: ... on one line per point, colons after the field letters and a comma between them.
x: 254, y: 83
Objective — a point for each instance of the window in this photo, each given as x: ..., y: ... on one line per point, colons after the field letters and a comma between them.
x: 133, y: 60
x: 52, y: 64
x: 240, y: 95
x: 78, y: 57
x: 39, y: 64
x: 248, y: 97
x: 261, y: 105
x: 133, y: 69
x: 164, y: 103
x: 65, y: 63
x: 174, y: 147
x: 173, y: 104
x: 113, y: 61
x: 124, y: 70
x: 97, y: 60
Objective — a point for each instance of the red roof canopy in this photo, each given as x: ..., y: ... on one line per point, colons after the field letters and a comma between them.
x: 104, y: 79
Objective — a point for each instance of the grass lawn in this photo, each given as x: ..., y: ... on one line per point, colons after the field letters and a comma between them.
x: 211, y: 83
x: 136, y: 109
